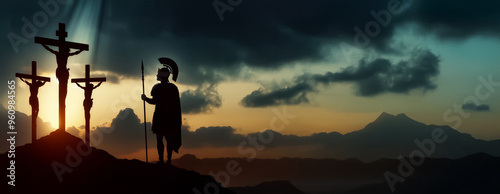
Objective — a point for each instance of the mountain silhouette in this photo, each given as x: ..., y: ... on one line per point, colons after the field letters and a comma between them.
x: 479, y: 172
x: 269, y: 188
x: 23, y: 121
x: 94, y: 170
x: 366, y: 155
x: 461, y: 163
x: 389, y: 136
x: 392, y: 135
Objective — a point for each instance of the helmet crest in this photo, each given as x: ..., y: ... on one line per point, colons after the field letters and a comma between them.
x: 171, y: 66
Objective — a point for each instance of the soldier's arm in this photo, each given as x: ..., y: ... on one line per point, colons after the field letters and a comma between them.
x: 153, y: 100
x: 148, y: 100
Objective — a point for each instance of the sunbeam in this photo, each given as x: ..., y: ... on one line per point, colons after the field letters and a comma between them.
x: 85, y: 24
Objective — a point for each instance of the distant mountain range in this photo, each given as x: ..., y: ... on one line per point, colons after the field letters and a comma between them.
x: 458, y: 163
x: 452, y: 161
x: 269, y: 188
x: 389, y: 136
x: 477, y: 173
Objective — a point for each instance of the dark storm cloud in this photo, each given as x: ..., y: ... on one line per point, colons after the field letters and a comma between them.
x: 450, y: 19
x: 125, y: 135
x: 226, y: 137
x: 256, y: 34
x: 476, y: 107
x: 110, y: 77
x: 381, y: 76
x: 261, y: 34
x: 200, y: 100
x: 371, y: 78
x: 264, y: 34
x: 282, y: 96
x: 271, y: 34
x: 216, y: 136
x: 75, y: 131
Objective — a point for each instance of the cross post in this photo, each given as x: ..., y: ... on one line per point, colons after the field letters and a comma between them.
x: 36, y: 83
x: 87, y: 102
x: 62, y: 72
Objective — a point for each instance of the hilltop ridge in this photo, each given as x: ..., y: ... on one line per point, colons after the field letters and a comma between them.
x: 60, y: 162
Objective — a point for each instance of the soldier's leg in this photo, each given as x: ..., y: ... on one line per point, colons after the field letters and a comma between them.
x: 169, y: 154
x: 160, y: 146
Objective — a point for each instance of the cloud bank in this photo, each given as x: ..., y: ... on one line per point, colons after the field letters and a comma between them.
x: 200, y: 100
x: 256, y: 35
x: 393, y: 134
x: 371, y: 78
x: 475, y: 107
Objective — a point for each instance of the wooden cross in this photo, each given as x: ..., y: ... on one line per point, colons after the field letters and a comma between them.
x: 36, y: 83
x: 62, y: 72
x: 62, y: 34
x: 87, y: 102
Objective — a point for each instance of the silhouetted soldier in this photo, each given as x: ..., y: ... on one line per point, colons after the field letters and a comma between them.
x: 34, y: 94
x: 167, y: 118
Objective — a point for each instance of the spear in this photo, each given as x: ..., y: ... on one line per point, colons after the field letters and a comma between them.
x: 144, y: 105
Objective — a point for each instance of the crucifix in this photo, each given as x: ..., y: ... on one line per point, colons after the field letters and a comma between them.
x: 87, y: 102
x: 36, y: 83
x: 62, y: 72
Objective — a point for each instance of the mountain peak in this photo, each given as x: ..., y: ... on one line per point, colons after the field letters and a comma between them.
x: 388, y: 124
x: 388, y: 117
x: 402, y: 115
x: 384, y: 116
x: 188, y: 157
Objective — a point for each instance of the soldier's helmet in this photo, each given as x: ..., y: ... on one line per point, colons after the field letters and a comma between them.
x: 169, y: 66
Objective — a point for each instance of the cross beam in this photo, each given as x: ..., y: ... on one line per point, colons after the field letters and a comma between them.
x: 87, y: 102
x: 62, y: 73
x: 28, y: 76
x: 62, y: 34
x: 87, y: 78
x: 52, y: 42
x: 33, y: 75
x: 34, y: 110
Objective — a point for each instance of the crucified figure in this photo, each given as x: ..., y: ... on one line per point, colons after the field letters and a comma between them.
x: 34, y: 94
x: 62, y: 72
x: 87, y: 102
x: 62, y: 60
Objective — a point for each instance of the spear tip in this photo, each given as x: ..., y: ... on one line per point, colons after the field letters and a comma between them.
x: 142, y: 63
